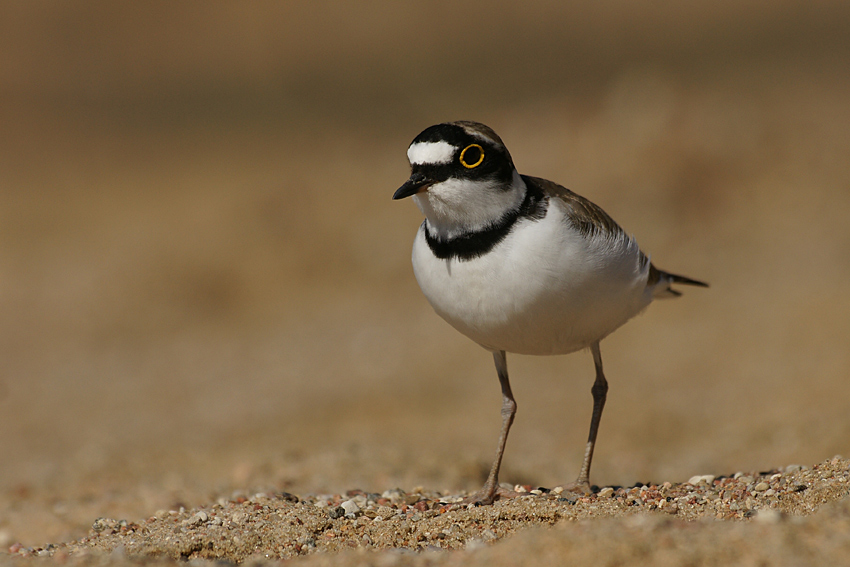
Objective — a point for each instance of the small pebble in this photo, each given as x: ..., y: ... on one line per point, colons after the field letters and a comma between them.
x: 606, y: 492
x: 196, y: 520
x: 410, y: 499
x: 761, y: 487
x: 101, y: 524
x: 568, y: 497
x: 394, y: 494
x: 350, y: 507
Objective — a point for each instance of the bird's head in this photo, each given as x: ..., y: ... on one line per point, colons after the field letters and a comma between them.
x: 462, y: 177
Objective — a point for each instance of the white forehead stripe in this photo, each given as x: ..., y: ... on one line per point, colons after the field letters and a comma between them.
x: 430, y: 152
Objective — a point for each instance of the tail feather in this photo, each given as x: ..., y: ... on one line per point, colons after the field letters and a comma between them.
x: 661, y: 283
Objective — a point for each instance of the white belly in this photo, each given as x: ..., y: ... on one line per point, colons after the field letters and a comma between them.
x: 545, y: 289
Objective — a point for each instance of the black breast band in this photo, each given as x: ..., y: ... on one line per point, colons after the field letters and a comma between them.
x: 474, y: 244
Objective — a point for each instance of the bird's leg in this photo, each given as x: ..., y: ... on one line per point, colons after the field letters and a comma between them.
x: 490, y: 491
x: 600, y: 392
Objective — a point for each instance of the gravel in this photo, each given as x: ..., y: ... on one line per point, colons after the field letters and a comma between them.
x: 399, y: 527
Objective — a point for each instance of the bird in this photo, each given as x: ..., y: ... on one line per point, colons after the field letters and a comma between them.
x: 521, y: 265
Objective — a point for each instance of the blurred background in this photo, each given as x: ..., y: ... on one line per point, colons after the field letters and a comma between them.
x: 205, y: 286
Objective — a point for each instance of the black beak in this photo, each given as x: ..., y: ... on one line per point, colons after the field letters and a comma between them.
x: 417, y: 182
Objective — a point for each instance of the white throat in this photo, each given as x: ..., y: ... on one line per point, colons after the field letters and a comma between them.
x: 460, y: 206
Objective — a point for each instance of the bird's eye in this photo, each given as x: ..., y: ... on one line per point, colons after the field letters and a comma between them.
x: 471, y: 156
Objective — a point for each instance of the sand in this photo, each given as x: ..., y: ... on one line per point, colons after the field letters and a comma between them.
x: 798, y: 515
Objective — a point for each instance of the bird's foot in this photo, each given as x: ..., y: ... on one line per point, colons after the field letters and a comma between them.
x: 577, y: 487
x: 488, y: 495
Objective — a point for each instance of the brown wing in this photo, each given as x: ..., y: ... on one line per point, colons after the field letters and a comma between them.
x: 586, y: 216
x: 591, y: 220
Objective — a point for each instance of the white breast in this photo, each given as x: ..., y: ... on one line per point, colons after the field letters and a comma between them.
x: 545, y: 289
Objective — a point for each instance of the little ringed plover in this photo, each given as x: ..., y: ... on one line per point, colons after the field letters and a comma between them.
x: 521, y: 264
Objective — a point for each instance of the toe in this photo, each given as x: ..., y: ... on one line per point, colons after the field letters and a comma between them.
x: 577, y: 488
x: 487, y: 496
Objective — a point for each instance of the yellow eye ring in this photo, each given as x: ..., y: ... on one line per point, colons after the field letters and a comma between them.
x: 480, y: 156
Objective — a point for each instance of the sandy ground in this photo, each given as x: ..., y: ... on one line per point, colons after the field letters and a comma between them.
x: 206, y: 291
x: 795, y: 516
